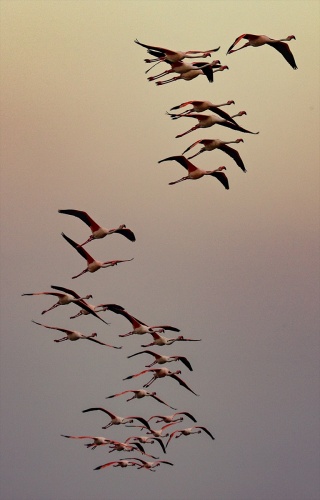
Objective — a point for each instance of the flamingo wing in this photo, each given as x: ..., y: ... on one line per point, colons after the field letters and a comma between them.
x: 161, y: 401
x: 180, y: 159
x: 83, y: 216
x: 126, y: 232
x: 79, y: 249
x: 187, y: 414
x: 167, y: 327
x: 221, y: 176
x: 185, y: 361
x: 233, y: 153
x: 222, y: 114
x: 53, y: 327
x: 65, y: 290
x: 181, y: 382
x: 111, y: 415
x: 205, y: 430
x: 284, y: 49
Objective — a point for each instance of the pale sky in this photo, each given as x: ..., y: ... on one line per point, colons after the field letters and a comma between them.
x: 82, y: 128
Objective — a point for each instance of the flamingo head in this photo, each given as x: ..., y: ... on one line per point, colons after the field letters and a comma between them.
x: 178, y: 372
x: 230, y: 102
x: 219, y: 169
x: 241, y: 113
x: 88, y: 296
x: 291, y: 37
x: 180, y: 337
x: 222, y: 68
x: 239, y: 140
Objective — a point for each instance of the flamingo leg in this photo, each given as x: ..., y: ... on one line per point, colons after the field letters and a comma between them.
x: 150, y: 382
x: 50, y: 309
x: 199, y: 152
x: 188, y: 131
x: 126, y: 334
x: 235, y: 50
x: 164, y: 73
x: 87, y: 241
x: 173, y: 79
x: 180, y: 180
x: 84, y: 271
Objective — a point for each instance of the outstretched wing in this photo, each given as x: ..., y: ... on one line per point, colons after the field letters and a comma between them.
x: 83, y: 216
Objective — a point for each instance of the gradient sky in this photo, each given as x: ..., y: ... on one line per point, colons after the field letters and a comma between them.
x: 82, y: 128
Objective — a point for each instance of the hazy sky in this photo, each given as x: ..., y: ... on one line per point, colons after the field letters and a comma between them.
x: 82, y: 128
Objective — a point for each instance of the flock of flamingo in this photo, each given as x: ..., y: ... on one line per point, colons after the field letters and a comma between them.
x: 65, y: 296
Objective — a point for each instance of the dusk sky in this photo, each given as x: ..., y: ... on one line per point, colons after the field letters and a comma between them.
x: 82, y: 128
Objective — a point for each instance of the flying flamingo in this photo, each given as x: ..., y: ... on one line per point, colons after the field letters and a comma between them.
x: 205, y: 121
x: 139, y: 328
x: 258, y: 40
x: 199, y: 69
x: 116, y: 463
x: 171, y: 418
x: 161, y: 341
x: 160, y: 373
x: 164, y: 359
x: 196, y: 173
x: 200, y: 106
x: 145, y: 440
x: 97, y: 441
x: 96, y: 230
x: 150, y: 465
x: 156, y: 433
x: 68, y: 297
x: 211, y: 144
x: 74, y: 335
x: 118, y: 446
x: 183, y: 67
x: 169, y: 55
x: 98, y: 308
x: 93, y: 265
x: 139, y: 394
x: 188, y: 431
x: 116, y: 420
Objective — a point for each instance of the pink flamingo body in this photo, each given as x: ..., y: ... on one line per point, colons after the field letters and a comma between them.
x: 92, y: 264
x: 160, y: 359
x: 97, y: 440
x: 161, y: 373
x: 163, y: 54
x: 96, y: 230
x: 212, y: 144
x: 259, y: 40
x: 195, y: 173
x: 150, y: 465
x: 145, y: 440
x: 118, y: 446
x: 68, y: 297
x: 188, y: 431
x: 74, y: 335
x: 156, y: 433
x: 171, y: 418
x: 183, y: 67
x: 206, y: 121
x: 98, y: 308
x: 117, y: 463
x: 200, y: 106
x: 116, y: 420
x: 139, y: 394
x: 139, y: 328
x: 159, y: 340
x: 198, y: 69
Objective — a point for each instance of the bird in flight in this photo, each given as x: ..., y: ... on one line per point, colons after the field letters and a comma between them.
x: 92, y: 264
x: 259, y: 40
x: 96, y: 230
